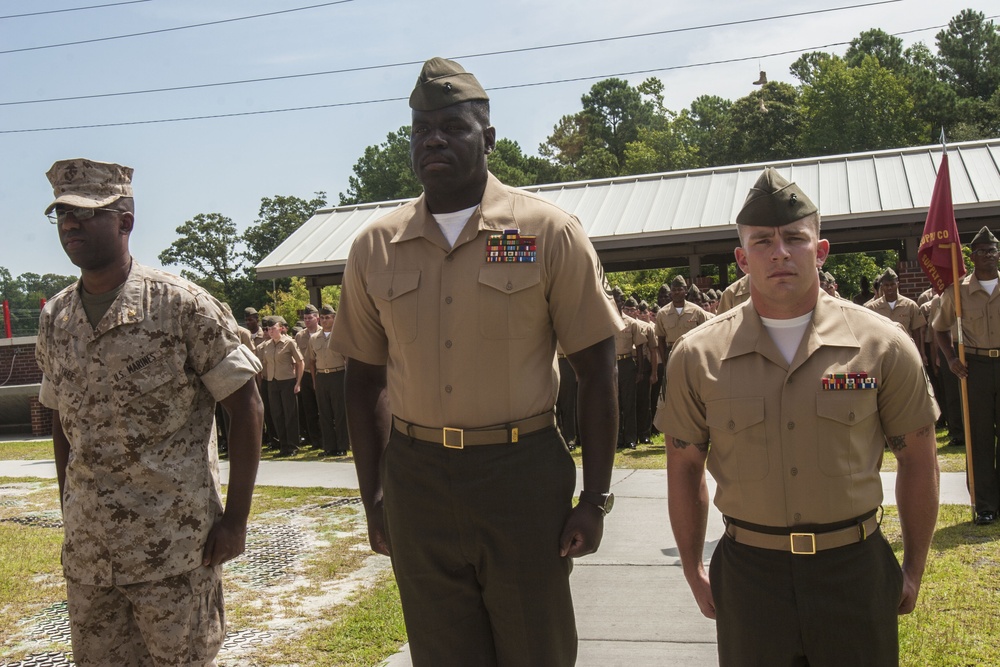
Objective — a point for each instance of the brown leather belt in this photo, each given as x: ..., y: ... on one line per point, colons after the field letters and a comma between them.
x: 329, y: 370
x: 992, y: 353
x: 804, y: 543
x: 459, y: 438
x: 623, y: 357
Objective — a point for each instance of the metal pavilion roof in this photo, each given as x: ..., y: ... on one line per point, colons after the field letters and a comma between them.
x: 867, y: 201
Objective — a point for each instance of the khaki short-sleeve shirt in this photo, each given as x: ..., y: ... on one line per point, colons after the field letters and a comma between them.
x: 784, y: 450
x: 322, y: 354
x: 906, y: 313
x: 735, y: 294
x: 670, y: 325
x: 280, y: 357
x: 302, y: 342
x: 631, y: 337
x: 136, y: 399
x: 980, y: 313
x: 468, y: 342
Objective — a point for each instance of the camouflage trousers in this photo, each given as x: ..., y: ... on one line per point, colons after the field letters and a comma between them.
x: 178, y: 621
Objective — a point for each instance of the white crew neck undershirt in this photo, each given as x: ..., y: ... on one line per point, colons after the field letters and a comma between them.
x: 892, y: 304
x: 787, y: 334
x: 989, y: 285
x: 452, y: 224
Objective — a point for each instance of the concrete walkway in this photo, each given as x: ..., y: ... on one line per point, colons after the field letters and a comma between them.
x: 633, y: 606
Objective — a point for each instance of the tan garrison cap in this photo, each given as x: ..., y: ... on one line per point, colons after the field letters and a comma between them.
x: 984, y: 236
x: 310, y: 309
x: 442, y: 83
x: 678, y: 280
x: 774, y: 202
x: 327, y: 309
x: 889, y: 275
x: 88, y: 183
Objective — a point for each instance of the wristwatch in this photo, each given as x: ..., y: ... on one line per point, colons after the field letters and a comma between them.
x: 603, y: 501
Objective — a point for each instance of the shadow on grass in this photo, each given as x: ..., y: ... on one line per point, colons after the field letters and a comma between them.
x: 959, y: 534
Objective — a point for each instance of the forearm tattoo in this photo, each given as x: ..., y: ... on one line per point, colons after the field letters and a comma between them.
x: 684, y: 444
x: 897, y: 442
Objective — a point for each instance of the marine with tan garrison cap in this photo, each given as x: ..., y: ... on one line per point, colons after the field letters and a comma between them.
x: 133, y: 362
x: 449, y: 316
x: 789, y: 399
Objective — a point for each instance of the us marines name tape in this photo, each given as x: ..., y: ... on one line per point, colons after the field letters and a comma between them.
x: 836, y: 381
x: 510, y: 247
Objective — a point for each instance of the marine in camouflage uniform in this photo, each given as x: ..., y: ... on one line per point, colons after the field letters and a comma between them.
x: 133, y: 362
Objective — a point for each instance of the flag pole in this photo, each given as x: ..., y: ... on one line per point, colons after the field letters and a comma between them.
x: 964, y: 380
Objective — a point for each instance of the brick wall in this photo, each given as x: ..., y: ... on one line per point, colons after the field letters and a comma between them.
x: 912, y: 280
x: 41, y: 418
x: 20, y: 352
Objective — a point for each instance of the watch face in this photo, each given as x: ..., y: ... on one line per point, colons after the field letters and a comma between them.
x: 609, y: 502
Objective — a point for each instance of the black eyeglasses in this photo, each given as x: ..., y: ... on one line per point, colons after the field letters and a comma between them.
x: 988, y: 252
x: 60, y: 212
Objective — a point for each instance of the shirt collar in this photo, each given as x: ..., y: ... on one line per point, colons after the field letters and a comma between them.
x: 494, y: 214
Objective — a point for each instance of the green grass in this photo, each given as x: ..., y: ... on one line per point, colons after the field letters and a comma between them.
x: 32, y: 450
x: 950, y: 459
x: 955, y: 623
x: 363, y: 633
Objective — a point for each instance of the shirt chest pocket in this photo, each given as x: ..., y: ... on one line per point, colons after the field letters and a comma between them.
x: 155, y: 398
x: 511, y: 301
x: 738, y: 436
x: 847, y: 441
x: 396, y: 296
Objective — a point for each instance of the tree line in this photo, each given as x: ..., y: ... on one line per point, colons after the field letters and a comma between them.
x: 878, y: 95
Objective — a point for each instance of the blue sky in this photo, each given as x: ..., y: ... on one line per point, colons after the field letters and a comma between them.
x: 226, y: 165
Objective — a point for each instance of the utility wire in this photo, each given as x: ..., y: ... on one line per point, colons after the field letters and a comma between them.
x: 72, y: 9
x: 174, y: 29
x: 461, y: 57
x: 494, y: 88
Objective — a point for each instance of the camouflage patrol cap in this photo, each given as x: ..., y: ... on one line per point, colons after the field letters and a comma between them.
x: 310, y: 309
x: 442, y: 83
x: 774, y: 202
x: 678, y: 281
x: 327, y: 309
x: 87, y: 183
x: 888, y: 275
x: 985, y: 236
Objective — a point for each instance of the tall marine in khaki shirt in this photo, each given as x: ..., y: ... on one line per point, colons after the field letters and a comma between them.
x: 469, y: 486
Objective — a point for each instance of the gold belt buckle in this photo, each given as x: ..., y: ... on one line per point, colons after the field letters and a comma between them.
x: 994, y: 354
x: 810, y: 550
x: 461, y: 438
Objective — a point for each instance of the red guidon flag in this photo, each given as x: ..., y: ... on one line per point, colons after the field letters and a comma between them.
x: 940, y: 237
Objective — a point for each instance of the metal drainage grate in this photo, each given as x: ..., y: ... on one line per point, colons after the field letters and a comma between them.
x: 271, y: 553
x: 52, y: 623
x: 341, y: 502
x: 47, y: 519
x: 336, y: 502
x: 43, y: 660
x: 245, y: 639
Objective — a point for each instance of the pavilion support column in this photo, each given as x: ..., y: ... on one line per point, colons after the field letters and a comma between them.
x: 694, y: 266
x: 910, y: 245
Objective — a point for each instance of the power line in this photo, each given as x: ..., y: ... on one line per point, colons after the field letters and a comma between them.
x: 174, y: 29
x: 461, y: 57
x: 72, y: 9
x: 493, y: 88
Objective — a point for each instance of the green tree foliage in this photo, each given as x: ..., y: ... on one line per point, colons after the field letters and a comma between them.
x: 277, y: 219
x: 969, y: 55
x: 886, y: 48
x: 861, y: 108
x: 766, y: 124
x: 207, y: 246
x: 848, y: 268
x: 383, y: 172
x: 24, y: 295
x: 711, y: 129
